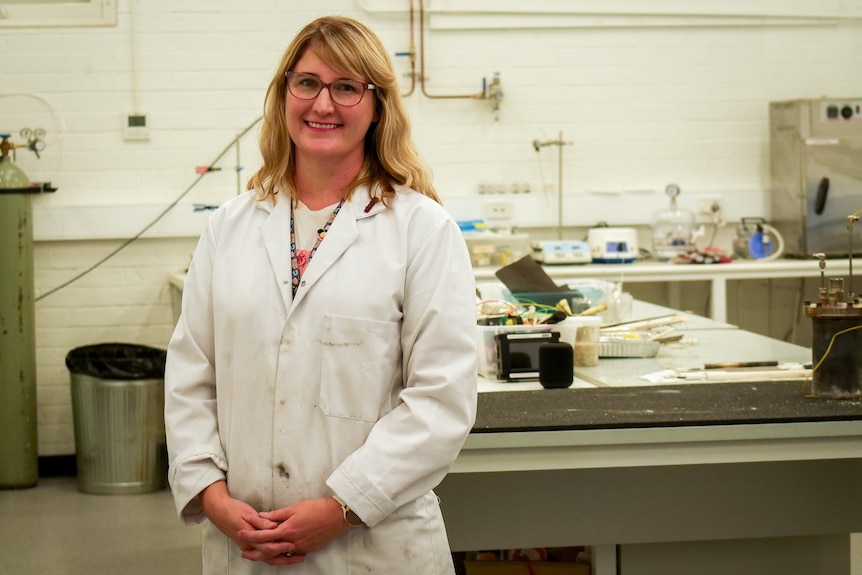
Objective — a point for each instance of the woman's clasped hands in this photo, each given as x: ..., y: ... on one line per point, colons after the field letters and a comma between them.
x: 283, y: 536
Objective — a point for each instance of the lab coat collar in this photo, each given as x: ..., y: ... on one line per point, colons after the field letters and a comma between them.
x: 359, y: 199
x: 341, y: 235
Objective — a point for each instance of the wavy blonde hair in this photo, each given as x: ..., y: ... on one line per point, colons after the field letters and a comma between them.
x: 353, y: 49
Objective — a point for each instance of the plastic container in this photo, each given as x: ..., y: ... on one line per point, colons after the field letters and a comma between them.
x: 491, y: 249
x: 627, y: 345
x: 118, y: 402
x: 582, y: 333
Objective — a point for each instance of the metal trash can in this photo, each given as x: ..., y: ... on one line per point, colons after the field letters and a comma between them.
x: 118, y: 398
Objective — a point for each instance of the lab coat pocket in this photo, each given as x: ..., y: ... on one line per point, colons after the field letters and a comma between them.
x: 413, y: 538
x: 361, y: 367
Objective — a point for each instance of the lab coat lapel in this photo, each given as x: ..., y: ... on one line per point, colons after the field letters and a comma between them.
x: 342, y: 233
x: 276, y: 239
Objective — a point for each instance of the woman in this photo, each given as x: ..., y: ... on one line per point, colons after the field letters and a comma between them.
x: 322, y: 376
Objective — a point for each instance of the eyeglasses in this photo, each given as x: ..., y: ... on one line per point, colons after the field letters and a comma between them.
x: 342, y: 92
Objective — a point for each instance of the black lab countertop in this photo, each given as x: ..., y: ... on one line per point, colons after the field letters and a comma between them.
x: 657, y: 406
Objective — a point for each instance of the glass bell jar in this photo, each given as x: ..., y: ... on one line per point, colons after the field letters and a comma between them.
x: 672, y: 229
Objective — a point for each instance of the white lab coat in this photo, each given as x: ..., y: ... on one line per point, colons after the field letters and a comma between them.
x: 364, y: 385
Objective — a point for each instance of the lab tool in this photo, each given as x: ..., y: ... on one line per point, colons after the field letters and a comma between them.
x: 489, y: 349
x: 562, y: 252
x: 560, y: 143
x: 613, y: 245
x: 836, y: 346
x: 672, y: 229
x: 756, y: 240
x: 518, y: 356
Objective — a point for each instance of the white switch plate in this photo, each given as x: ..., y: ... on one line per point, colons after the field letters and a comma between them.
x: 498, y: 209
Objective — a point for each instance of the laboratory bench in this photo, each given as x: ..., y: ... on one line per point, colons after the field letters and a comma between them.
x: 716, y: 274
x: 682, y: 479
x: 742, y: 477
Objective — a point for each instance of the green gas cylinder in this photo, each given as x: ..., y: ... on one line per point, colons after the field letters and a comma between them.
x: 19, y: 463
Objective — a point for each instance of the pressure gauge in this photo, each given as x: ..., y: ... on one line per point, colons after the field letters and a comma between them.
x: 36, y: 146
x: 672, y: 190
x: 35, y: 139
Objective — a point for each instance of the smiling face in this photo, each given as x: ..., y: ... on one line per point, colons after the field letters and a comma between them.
x: 322, y: 130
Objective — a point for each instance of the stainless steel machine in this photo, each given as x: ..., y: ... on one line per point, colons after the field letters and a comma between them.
x: 816, y: 169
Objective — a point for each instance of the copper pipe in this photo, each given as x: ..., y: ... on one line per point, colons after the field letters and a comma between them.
x: 412, y: 55
x: 477, y: 96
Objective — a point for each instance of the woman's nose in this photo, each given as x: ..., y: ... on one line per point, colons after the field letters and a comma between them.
x: 324, y: 102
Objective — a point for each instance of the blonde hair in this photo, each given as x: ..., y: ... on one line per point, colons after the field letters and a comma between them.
x: 351, y: 48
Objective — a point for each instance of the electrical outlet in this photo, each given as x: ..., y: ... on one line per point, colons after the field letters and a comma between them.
x: 498, y: 209
x: 709, y: 206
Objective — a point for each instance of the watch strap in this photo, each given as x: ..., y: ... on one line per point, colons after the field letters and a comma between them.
x: 350, y: 516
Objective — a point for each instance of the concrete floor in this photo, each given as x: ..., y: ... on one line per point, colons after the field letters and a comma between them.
x: 53, y: 529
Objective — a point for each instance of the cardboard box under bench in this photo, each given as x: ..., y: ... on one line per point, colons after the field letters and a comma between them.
x: 525, y: 568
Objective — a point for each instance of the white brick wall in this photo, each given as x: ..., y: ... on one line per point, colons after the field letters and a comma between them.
x: 644, y: 105
x: 127, y: 300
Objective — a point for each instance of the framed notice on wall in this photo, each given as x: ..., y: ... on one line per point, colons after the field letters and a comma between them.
x: 56, y: 13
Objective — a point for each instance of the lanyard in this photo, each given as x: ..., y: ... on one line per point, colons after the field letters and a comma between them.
x: 295, y: 271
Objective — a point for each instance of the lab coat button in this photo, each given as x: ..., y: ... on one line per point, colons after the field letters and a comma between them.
x: 302, y: 283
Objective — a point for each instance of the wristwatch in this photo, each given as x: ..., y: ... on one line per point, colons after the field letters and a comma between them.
x: 350, y: 516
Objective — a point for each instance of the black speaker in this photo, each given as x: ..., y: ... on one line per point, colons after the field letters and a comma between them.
x: 556, y: 365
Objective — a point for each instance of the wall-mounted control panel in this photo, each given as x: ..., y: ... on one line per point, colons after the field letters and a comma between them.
x: 135, y: 127
x: 841, y: 111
